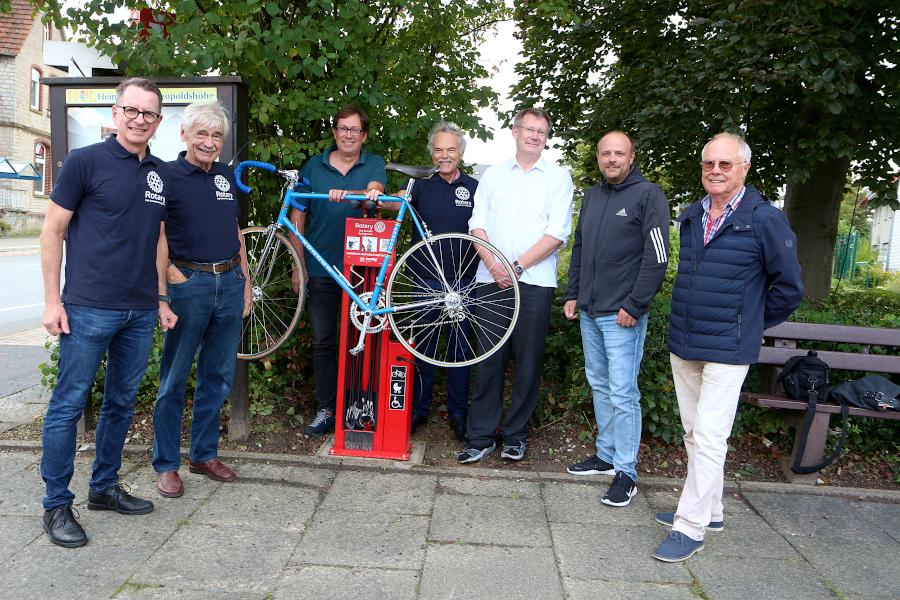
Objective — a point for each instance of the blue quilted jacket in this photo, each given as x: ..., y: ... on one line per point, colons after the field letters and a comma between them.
x: 744, y: 280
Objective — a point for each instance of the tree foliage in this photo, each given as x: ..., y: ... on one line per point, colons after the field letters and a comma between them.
x: 408, y: 64
x: 812, y: 84
x: 804, y: 80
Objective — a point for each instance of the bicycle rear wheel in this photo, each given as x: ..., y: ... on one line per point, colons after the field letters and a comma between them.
x: 276, y: 306
x: 443, y: 315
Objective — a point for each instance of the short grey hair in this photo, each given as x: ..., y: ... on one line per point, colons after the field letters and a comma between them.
x: 540, y: 113
x: 139, y: 82
x: 447, y: 127
x: 743, y: 148
x: 206, y: 114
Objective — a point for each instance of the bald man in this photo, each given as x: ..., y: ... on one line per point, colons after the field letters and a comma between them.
x: 619, y: 260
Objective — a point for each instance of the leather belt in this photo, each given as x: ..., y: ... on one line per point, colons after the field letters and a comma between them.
x: 215, y: 268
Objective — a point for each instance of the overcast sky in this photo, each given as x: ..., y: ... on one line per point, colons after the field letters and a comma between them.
x: 499, y: 54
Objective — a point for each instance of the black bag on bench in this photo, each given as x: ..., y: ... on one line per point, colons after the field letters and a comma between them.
x: 873, y: 392
x: 806, y: 378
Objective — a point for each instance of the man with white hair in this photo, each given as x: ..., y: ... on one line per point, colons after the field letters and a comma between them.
x: 207, y: 286
x: 444, y: 201
x: 738, y: 274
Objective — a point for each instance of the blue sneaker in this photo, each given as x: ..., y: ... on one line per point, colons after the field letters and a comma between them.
x: 668, y: 518
x: 472, y: 455
x: 677, y: 547
x: 323, y: 423
x: 514, y: 451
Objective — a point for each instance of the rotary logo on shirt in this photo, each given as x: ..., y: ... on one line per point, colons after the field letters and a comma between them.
x: 154, y: 194
x: 462, y: 197
x: 224, y: 188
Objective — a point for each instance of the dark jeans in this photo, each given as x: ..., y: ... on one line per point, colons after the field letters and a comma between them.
x: 126, y: 337
x: 457, y: 377
x: 209, y: 311
x: 526, y: 345
x: 325, y: 298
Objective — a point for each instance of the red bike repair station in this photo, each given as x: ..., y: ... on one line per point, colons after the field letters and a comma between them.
x: 374, y: 403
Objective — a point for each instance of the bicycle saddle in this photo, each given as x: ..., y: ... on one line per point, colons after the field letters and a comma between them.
x: 411, y: 170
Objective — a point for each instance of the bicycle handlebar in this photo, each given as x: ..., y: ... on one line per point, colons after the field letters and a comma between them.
x: 291, y: 176
x: 239, y: 172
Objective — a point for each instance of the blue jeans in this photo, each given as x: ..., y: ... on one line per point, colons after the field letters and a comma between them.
x: 612, y: 361
x: 126, y: 336
x: 209, y: 311
x: 457, y: 377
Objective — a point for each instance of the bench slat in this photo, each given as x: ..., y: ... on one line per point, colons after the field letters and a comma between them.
x: 765, y: 401
x: 849, y: 361
x: 835, y: 333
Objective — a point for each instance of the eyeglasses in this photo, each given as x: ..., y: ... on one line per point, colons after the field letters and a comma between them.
x: 724, y: 165
x: 532, y: 131
x: 132, y: 113
x: 346, y: 130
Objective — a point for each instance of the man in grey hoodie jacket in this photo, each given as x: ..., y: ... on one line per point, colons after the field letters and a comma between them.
x: 619, y: 260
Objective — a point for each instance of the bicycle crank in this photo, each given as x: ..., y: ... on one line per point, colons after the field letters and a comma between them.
x: 357, y: 315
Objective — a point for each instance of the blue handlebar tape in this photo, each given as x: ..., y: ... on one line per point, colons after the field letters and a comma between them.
x: 239, y: 171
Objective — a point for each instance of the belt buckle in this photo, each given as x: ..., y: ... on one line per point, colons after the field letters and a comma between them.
x: 216, y: 270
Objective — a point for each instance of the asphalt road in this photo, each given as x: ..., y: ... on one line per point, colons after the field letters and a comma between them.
x: 21, y: 293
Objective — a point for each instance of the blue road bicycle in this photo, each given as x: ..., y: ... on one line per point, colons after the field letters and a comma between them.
x: 432, y: 301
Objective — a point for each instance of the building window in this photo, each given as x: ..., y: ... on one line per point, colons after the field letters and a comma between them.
x: 34, y: 92
x: 40, y: 164
x: 48, y: 31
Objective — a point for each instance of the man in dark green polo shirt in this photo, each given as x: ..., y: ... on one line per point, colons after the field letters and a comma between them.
x: 343, y: 168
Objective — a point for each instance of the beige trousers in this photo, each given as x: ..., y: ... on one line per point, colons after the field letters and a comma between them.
x: 708, y: 395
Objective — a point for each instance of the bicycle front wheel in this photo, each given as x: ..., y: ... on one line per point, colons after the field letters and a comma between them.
x: 271, y: 260
x: 442, y: 314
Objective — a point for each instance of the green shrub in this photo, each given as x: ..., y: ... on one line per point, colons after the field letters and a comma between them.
x: 565, y: 389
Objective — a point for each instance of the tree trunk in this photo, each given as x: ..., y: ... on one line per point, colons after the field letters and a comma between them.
x: 813, y: 207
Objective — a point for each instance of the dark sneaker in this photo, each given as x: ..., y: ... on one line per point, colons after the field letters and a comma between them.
x: 668, y: 518
x: 62, y: 528
x: 115, y: 498
x: 620, y: 492
x: 323, y: 423
x: 459, y: 427
x: 416, y: 422
x: 513, y: 451
x: 592, y: 466
x: 473, y: 455
x: 677, y: 547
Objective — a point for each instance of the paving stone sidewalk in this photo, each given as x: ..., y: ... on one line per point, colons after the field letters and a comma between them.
x: 331, y: 529
x: 22, y: 398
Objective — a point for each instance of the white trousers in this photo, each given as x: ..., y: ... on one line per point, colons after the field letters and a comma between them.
x: 708, y: 395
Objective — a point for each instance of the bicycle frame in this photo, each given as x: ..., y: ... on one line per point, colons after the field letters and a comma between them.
x: 293, y: 200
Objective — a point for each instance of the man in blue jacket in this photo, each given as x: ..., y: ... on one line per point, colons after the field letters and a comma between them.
x: 618, y: 263
x: 738, y: 274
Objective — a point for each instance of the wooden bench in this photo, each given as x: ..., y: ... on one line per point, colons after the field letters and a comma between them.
x: 792, y: 339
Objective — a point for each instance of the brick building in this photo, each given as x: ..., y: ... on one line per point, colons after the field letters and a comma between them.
x: 24, y: 113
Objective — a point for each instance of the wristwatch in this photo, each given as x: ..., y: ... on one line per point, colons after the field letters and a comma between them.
x: 519, y: 269
x: 163, y: 298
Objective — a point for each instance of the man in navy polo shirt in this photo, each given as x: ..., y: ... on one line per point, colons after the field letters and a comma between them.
x: 343, y: 168
x: 108, y: 204
x: 444, y: 201
x: 207, y: 287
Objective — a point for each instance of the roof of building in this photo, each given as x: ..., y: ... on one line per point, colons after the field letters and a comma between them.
x: 14, y: 27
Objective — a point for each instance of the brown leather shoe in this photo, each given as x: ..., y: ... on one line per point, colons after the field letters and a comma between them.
x: 169, y: 484
x: 214, y: 469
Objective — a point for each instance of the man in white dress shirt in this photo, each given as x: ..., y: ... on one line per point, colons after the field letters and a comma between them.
x: 523, y: 207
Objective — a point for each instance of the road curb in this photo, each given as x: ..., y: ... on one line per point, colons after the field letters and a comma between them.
x: 22, y: 251
x: 363, y: 464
